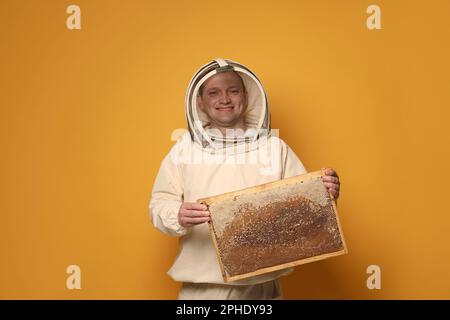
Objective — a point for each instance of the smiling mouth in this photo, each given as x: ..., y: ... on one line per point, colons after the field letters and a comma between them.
x: 225, y: 108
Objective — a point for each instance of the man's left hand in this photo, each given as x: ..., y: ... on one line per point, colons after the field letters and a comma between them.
x: 331, y: 182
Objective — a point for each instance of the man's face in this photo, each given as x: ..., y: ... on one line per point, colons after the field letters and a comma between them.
x: 224, y: 100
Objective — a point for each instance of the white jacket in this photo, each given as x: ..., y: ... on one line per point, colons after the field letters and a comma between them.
x: 197, y: 167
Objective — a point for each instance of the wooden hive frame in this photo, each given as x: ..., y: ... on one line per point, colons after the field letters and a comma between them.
x: 283, y: 187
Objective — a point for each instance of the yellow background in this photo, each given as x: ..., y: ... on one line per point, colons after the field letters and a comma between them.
x: 86, y: 118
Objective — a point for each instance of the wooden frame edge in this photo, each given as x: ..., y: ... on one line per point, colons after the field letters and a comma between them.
x: 267, y: 186
x: 261, y: 187
x: 286, y: 265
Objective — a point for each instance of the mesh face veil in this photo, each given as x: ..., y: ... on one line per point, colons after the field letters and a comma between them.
x: 256, y: 116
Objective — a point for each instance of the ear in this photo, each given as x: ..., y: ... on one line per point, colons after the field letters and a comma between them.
x: 200, y: 103
x: 246, y: 98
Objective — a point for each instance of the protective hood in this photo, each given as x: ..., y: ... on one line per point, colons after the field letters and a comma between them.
x: 257, y: 116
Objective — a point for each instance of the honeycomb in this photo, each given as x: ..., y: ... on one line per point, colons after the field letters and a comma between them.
x: 274, y: 226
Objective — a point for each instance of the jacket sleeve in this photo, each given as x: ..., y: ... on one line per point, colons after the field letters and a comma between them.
x: 166, y: 199
x: 292, y: 165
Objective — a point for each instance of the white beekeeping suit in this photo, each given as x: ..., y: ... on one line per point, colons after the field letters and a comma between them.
x: 203, y: 163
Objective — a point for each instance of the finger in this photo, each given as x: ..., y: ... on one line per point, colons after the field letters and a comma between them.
x: 330, y: 172
x: 195, y: 213
x: 194, y: 206
x: 333, y: 190
x: 332, y: 179
x: 195, y: 221
x: 331, y: 185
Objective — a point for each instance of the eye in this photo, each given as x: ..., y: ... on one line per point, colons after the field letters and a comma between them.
x: 212, y: 93
x: 235, y: 91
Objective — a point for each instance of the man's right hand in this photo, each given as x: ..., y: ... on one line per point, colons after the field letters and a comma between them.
x: 192, y: 213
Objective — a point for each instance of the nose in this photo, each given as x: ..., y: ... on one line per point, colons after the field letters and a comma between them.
x: 225, y: 99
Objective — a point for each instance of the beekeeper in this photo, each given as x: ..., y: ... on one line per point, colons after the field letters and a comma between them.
x: 229, y: 146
